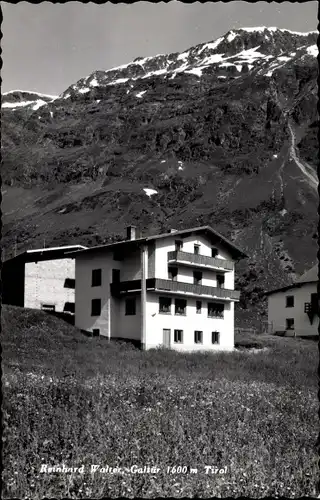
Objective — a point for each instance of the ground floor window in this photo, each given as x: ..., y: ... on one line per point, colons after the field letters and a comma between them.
x: 69, y: 307
x: 48, y: 307
x: 130, y: 306
x: 215, y: 310
x: 215, y: 338
x: 95, y: 307
x: 165, y: 305
x: 289, y: 324
x: 178, y: 336
x: 198, y: 337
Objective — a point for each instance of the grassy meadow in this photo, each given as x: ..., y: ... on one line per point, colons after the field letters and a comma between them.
x: 79, y: 401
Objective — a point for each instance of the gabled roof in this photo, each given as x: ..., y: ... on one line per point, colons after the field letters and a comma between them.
x: 235, y: 251
x: 310, y: 276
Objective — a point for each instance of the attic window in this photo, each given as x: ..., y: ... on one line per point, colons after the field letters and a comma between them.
x: 178, y: 244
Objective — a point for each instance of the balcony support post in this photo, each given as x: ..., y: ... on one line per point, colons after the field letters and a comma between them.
x: 144, y: 277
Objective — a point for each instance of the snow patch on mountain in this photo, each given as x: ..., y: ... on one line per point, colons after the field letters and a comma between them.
x: 33, y: 104
x: 52, y: 97
x: 273, y: 29
x: 313, y: 50
x: 211, y: 45
x: 140, y: 94
x: 149, y: 192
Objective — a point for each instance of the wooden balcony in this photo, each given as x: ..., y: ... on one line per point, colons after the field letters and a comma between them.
x: 311, y: 308
x: 175, y: 287
x: 197, y: 260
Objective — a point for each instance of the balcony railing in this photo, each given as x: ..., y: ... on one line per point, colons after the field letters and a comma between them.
x: 157, y: 284
x: 200, y: 260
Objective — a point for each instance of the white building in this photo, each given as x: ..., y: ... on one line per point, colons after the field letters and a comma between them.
x: 174, y: 290
x: 294, y: 309
x: 41, y: 279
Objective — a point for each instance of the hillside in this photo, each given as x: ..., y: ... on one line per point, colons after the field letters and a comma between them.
x: 225, y: 134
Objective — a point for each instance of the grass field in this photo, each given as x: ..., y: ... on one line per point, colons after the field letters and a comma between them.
x: 79, y: 401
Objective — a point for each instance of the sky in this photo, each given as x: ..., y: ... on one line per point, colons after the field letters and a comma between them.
x: 48, y: 47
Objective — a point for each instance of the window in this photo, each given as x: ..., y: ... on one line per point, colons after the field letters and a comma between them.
x: 198, y: 306
x: 180, y: 306
x: 95, y: 307
x: 95, y: 332
x: 48, y: 307
x: 215, y: 338
x: 197, y: 277
x: 198, y: 336
x: 196, y: 249
x: 69, y: 283
x: 115, y: 275
x: 178, y: 244
x: 289, y: 324
x: 173, y: 273
x: 96, y: 277
x: 215, y: 310
x: 69, y: 307
x: 130, y: 306
x: 178, y: 336
x: 164, y: 305
x: 220, y: 280
x: 214, y: 252
x: 117, y: 256
x: 290, y: 301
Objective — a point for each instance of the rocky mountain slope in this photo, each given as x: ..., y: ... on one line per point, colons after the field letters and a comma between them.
x: 224, y: 133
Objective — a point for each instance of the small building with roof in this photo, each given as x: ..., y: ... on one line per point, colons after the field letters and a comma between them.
x: 293, y: 310
x: 174, y: 289
x: 43, y: 278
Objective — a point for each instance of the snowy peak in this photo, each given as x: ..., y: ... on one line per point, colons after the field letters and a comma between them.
x: 17, y: 99
x: 236, y: 53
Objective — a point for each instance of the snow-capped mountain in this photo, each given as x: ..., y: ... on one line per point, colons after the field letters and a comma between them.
x: 224, y: 133
x: 16, y: 99
x: 262, y: 50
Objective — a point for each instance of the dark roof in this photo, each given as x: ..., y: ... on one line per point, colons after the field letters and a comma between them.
x: 310, y: 276
x: 235, y: 251
x: 49, y: 253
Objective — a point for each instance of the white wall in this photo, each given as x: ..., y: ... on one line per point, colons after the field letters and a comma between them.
x: 278, y: 312
x: 156, y: 322
x: 112, y: 308
x: 85, y: 292
x: 44, y: 283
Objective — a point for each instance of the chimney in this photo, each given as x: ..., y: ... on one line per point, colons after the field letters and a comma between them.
x: 131, y: 232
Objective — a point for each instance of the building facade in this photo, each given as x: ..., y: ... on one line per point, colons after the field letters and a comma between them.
x: 41, y: 279
x: 294, y: 310
x: 174, y: 290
